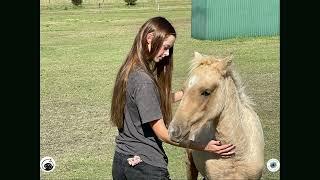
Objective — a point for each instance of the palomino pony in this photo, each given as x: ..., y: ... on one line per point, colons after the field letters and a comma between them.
x: 214, y: 106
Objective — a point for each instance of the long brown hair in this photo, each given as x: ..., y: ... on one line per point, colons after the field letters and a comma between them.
x: 140, y: 56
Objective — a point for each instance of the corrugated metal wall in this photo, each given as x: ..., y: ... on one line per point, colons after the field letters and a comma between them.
x: 222, y: 19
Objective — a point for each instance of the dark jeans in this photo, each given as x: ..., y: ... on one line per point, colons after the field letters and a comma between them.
x: 121, y: 170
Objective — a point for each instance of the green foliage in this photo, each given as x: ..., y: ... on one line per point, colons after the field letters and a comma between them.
x: 76, y: 2
x: 130, y: 2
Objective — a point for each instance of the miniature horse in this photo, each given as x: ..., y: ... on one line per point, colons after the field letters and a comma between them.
x: 214, y: 106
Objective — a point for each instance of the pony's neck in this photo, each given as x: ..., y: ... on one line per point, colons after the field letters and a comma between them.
x: 228, y: 128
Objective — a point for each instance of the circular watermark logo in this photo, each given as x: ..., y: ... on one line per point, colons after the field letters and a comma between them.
x: 273, y: 165
x: 47, y: 164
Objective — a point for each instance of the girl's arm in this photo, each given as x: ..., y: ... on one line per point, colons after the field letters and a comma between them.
x: 213, y: 146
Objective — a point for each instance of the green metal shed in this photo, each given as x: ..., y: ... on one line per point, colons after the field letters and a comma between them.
x: 222, y: 19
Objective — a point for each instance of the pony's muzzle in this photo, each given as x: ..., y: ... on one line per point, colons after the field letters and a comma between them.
x: 175, y: 134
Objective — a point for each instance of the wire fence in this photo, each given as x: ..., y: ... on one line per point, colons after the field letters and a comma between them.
x: 67, y: 2
x: 109, y: 4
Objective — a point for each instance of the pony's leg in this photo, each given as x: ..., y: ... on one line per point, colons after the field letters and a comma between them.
x: 192, y: 172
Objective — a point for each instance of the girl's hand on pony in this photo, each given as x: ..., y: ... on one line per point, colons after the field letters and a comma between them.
x: 225, y: 150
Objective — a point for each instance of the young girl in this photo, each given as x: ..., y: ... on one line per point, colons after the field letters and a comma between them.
x: 141, y: 106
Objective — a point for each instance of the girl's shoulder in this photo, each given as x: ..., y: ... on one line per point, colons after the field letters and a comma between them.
x: 139, y: 76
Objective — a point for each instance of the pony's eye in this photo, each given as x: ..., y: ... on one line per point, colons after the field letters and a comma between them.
x: 205, y: 93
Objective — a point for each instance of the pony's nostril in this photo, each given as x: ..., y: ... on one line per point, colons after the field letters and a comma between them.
x: 176, y: 132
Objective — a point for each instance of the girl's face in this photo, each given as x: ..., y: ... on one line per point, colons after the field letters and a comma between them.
x: 164, y: 51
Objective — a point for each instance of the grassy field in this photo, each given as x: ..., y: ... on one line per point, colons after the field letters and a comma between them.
x: 81, y: 51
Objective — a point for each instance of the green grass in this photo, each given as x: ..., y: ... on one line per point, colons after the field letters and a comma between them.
x: 81, y: 49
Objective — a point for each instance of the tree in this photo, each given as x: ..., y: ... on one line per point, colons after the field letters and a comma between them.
x: 130, y: 2
x: 76, y: 2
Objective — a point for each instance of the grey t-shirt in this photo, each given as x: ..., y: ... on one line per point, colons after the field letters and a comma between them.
x: 142, y: 106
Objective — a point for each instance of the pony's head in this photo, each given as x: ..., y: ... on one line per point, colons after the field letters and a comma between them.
x: 204, y: 95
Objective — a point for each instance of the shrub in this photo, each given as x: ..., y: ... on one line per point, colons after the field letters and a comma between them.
x: 130, y: 2
x: 76, y: 2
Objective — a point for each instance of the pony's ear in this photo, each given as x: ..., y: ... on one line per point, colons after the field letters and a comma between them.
x: 195, y: 61
x: 197, y: 55
x: 228, y: 60
x: 224, y: 64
